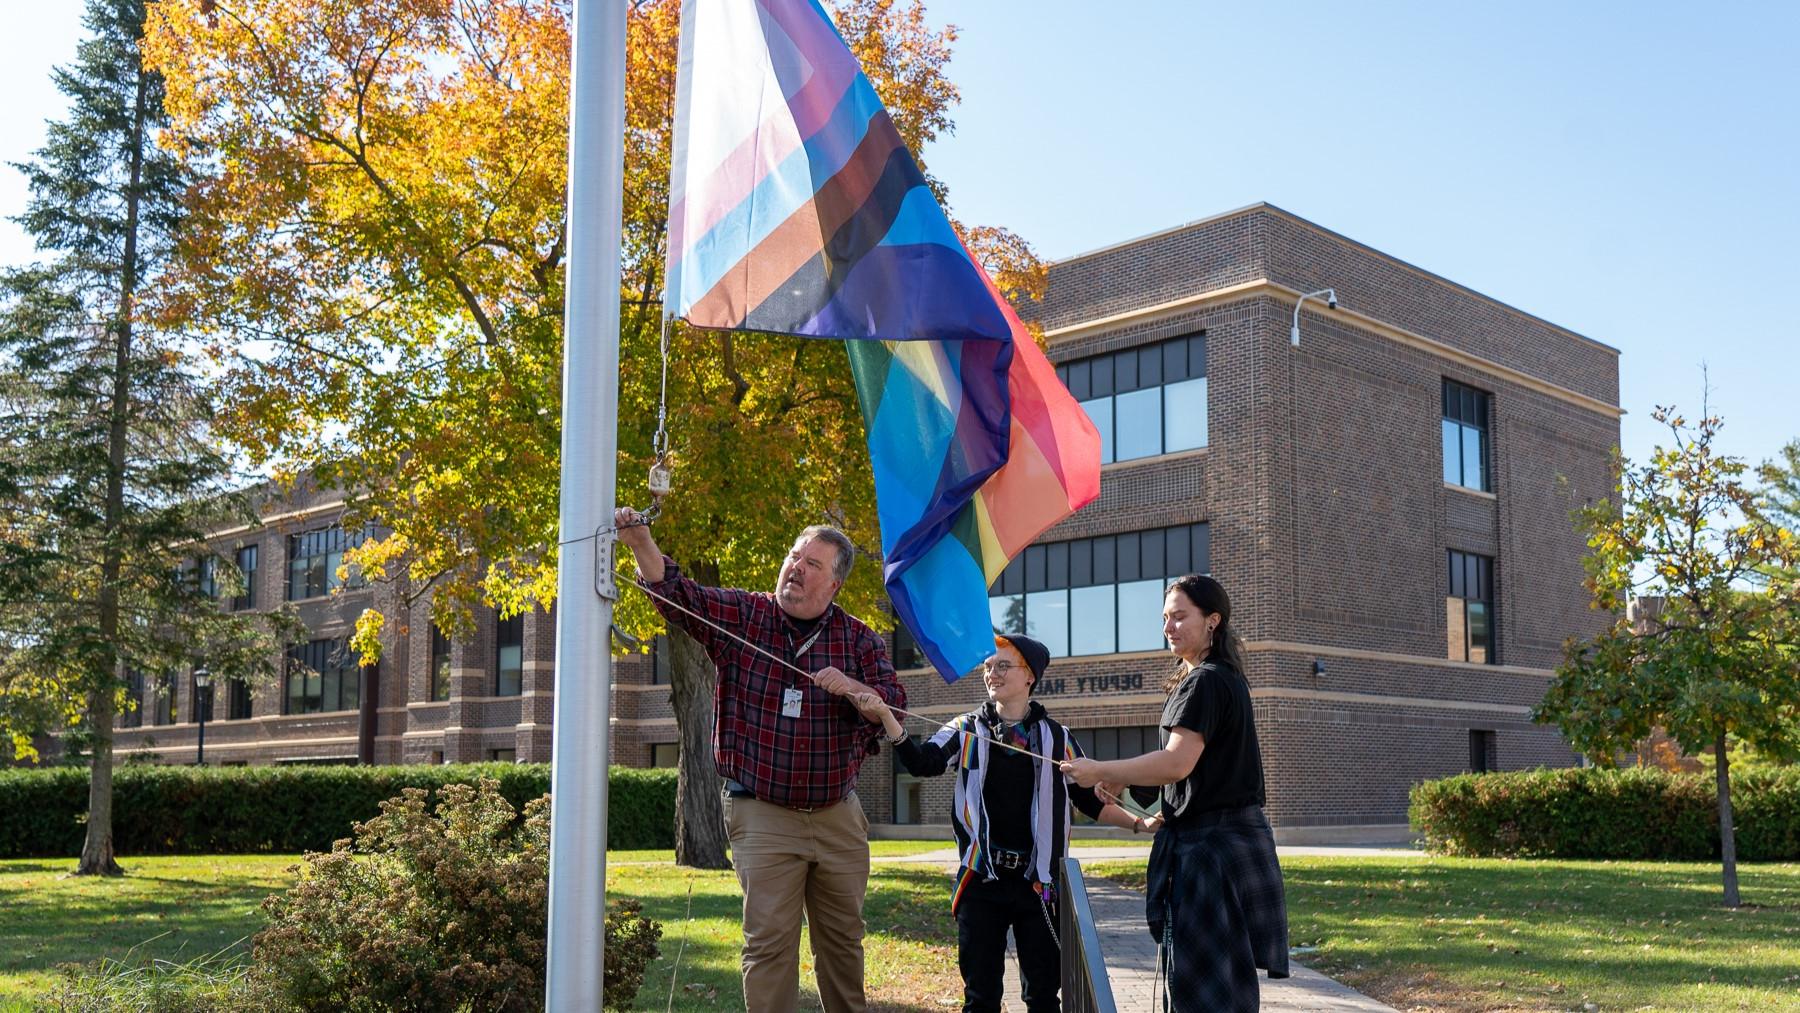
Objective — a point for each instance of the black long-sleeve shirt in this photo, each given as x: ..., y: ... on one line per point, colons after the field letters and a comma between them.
x: 1006, y: 791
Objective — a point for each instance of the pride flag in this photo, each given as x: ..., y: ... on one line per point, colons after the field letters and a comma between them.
x: 795, y: 207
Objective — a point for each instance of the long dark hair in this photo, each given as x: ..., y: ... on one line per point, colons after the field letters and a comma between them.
x: 1208, y: 595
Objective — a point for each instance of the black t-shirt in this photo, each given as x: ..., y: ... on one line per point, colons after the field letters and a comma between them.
x: 1214, y: 700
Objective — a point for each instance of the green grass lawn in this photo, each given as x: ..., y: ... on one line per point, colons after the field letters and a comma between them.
x: 184, y: 907
x: 1420, y: 933
x: 1474, y: 934
x: 169, y: 906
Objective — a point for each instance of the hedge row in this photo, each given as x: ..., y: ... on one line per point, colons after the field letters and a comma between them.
x: 226, y: 810
x: 1618, y: 814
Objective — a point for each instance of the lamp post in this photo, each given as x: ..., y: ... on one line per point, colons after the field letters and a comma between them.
x: 202, y: 704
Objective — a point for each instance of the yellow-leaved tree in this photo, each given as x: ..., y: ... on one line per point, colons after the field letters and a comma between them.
x: 375, y: 251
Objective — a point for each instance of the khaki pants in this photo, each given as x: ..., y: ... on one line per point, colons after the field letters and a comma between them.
x: 791, y: 861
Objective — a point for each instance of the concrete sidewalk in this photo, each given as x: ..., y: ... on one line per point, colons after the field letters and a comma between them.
x: 1131, y: 954
x: 1125, y: 852
x: 1131, y: 964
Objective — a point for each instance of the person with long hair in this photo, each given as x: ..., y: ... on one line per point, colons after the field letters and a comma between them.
x: 1214, y: 882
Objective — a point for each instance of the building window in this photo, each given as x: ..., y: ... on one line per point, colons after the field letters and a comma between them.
x: 509, y: 638
x: 906, y: 650
x: 503, y: 756
x: 1118, y: 743
x: 1466, y: 437
x: 1469, y: 608
x: 440, y: 664
x: 246, y: 564
x: 206, y: 576
x: 237, y: 699
x: 1483, y: 755
x: 665, y: 754
x: 133, y: 717
x: 162, y: 703
x: 1097, y: 595
x: 1145, y: 401
x: 659, y: 660
x: 1115, y: 744
x: 322, y: 676
x: 909, y: 794
x: 314, y: 558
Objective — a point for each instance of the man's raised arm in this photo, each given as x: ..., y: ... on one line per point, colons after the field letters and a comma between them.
x: 636, y: 536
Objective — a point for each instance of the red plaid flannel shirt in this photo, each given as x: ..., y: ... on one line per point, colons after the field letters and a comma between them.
x: 804, y: 762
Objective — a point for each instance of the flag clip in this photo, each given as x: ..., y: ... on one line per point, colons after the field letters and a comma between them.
x: 605, y: 585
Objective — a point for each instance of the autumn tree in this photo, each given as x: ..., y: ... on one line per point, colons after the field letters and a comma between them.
x: 108, y: 476
x: 377, y: 255
x: 1780, y: 495
x: 1713, y: 649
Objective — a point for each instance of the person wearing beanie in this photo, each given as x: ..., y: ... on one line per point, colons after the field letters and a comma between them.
x: 1011, y: 820
x: 1213, y: 871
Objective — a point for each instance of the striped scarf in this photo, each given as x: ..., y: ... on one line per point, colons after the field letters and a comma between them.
x: 968, y: 741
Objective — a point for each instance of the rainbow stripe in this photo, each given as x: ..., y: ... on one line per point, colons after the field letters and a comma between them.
x: 796, y: 208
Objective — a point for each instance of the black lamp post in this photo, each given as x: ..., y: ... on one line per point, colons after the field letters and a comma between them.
x: 202, y: 704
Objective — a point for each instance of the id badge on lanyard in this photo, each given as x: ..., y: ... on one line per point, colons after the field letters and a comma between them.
x: 790, y: 697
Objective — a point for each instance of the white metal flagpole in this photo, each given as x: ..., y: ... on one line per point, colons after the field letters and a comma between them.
x: 577, y: 931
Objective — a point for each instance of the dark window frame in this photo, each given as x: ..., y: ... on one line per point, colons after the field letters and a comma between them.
x: 1114, y: 560
x: 662, y: 660
x: 1466, y: 408
x: 162, y: 704
x: 1154, y: 366
x: 439, y: 666
x: 246, y: 560
x: 1484, y: 751
x: 239, y: 702
x: 1470, y: 581
x: 134, y: 689
x: 318, y: 547
x: 330, y: 659
x: 502, y: 631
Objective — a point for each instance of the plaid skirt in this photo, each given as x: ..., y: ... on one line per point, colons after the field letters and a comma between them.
x: 1216, y: 906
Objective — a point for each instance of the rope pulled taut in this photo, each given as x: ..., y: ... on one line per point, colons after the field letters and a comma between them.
x: 1105, y: 796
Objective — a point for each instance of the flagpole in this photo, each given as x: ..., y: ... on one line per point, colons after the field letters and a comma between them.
x: 577, y: 930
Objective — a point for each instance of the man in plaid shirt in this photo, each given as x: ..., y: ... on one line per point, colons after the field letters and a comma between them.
x: 789, y: 747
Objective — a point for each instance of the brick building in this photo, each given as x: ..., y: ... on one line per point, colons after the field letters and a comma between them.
x: 1387, y: 502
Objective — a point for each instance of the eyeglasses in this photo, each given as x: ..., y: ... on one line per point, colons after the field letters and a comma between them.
x: 998, y: 667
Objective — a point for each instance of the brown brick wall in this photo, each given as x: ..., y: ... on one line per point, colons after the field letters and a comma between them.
x: 1328, y: 518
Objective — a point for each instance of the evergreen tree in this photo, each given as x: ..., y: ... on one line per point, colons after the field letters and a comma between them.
x: 107, y: 475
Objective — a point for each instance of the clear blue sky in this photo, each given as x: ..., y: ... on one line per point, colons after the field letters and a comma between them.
x: 1630, y: 171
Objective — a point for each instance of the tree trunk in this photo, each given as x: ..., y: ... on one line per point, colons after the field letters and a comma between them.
x: 699, y: 818
x: 1727, y: 835
x: 368, y: 709
x: 97, y: 849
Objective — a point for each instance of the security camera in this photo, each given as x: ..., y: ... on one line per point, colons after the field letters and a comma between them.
x: 1331, y: 303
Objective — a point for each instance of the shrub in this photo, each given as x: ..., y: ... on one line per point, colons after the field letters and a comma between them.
x: 433, y: 911
x: 217, y: 810
x: 1638, y: 813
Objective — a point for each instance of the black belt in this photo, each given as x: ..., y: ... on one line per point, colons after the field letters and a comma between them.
x: 733, y: 789
x: 1004, y: 858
